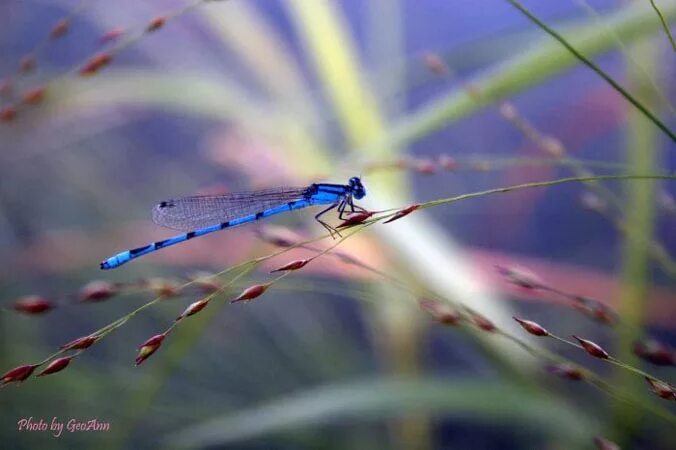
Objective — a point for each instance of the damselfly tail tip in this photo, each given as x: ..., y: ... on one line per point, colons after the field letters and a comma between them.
x: 107, y: 265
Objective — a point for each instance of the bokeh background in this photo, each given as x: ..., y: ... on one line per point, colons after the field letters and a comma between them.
x: 243, y: 94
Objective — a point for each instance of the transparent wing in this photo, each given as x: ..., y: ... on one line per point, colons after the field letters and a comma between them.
x: 190, y: 213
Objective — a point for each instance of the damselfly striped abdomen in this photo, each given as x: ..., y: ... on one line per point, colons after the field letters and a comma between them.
x: 204, y: 214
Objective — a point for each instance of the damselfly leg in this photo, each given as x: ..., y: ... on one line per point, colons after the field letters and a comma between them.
x: 353, y: 207
x: 326, y: 225
x: 341, y: 209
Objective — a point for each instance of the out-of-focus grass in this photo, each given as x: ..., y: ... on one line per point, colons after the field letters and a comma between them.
x: 375, y: 400
x: 432, y: 248
x: 544, y: 60
x: 643, y: 154
x: 285, y: 110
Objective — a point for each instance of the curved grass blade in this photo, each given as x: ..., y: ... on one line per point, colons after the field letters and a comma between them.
x: 630, y: 98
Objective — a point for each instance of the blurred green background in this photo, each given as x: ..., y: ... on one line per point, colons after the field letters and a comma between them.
x: 243, y: 94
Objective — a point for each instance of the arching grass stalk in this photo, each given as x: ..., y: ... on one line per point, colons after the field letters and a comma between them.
x: 555, y: 149
x: 535, y: 184
x: 552, y: 147
x: 665, y: 25
x: 95, y: 63
x: 58, y: 30
x: 246, y: 266
x: 592, y: 378
x: 622, y: 91
x: 627, y: 54
x: 485, y: 162
x: 658, y: 252
x: 431, y: 293
x: 386, y: 214
x: 391, y: 214
x: 586, y: 375
x: 104, y: 331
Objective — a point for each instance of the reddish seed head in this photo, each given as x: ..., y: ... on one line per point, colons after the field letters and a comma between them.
x: 206, y: 282
x: 655, y: 352
x: 18, y: 374
x: 425, y: 167
x: 566, y: 370
x: 592, y: 348
x: 163, y: 287
x: 250, y: 293
x: 403, y: 212
x: 593, y: 202
x: 7, y: 114
x: 95, y: 63
x: 194, y: 308
x: 149, y: 347
x: 662, y: 389
x: 441, y: 312
x: 519, y: 278
x: 532, y: 327
x: 553, y: 146
x: 281, y: 237
x: 5, y: 86
x: 595, y: 310
x: 80, y: 343
x: 447, y: 163
x: 96, y: 291
x: 56, y: 366
x: 156, y: 23
x: 111, y: 35
x: 293, y: 265
x: 32, y: 304
x: 33, y: 96
x: 59, y: 29
x: 355, y: 218
x: 605, y: 444
x: 604, y: 314
x: 27, y: 64
x: 483, y: 323
x: 434, y: 63
x: 508, y: 111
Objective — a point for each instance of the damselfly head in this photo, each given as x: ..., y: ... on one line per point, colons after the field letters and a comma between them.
x: 358, y: 190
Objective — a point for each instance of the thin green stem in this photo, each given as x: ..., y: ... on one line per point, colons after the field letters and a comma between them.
x: 609, y: 360
x: 625, y: 49
x: 544, y: 184
x: 530, y: 349
x: 589, y: 376
x: 631, y: 368
x: 665, y: 25
x: 630, y: 98
x: 483, y: 162
x: 358, y: 228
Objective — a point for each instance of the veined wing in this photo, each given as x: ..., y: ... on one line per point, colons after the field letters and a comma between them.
x: 190, y: 213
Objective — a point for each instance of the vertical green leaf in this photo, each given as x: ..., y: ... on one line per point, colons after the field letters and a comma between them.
x: 642, y: 155
x: 332, y: 51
